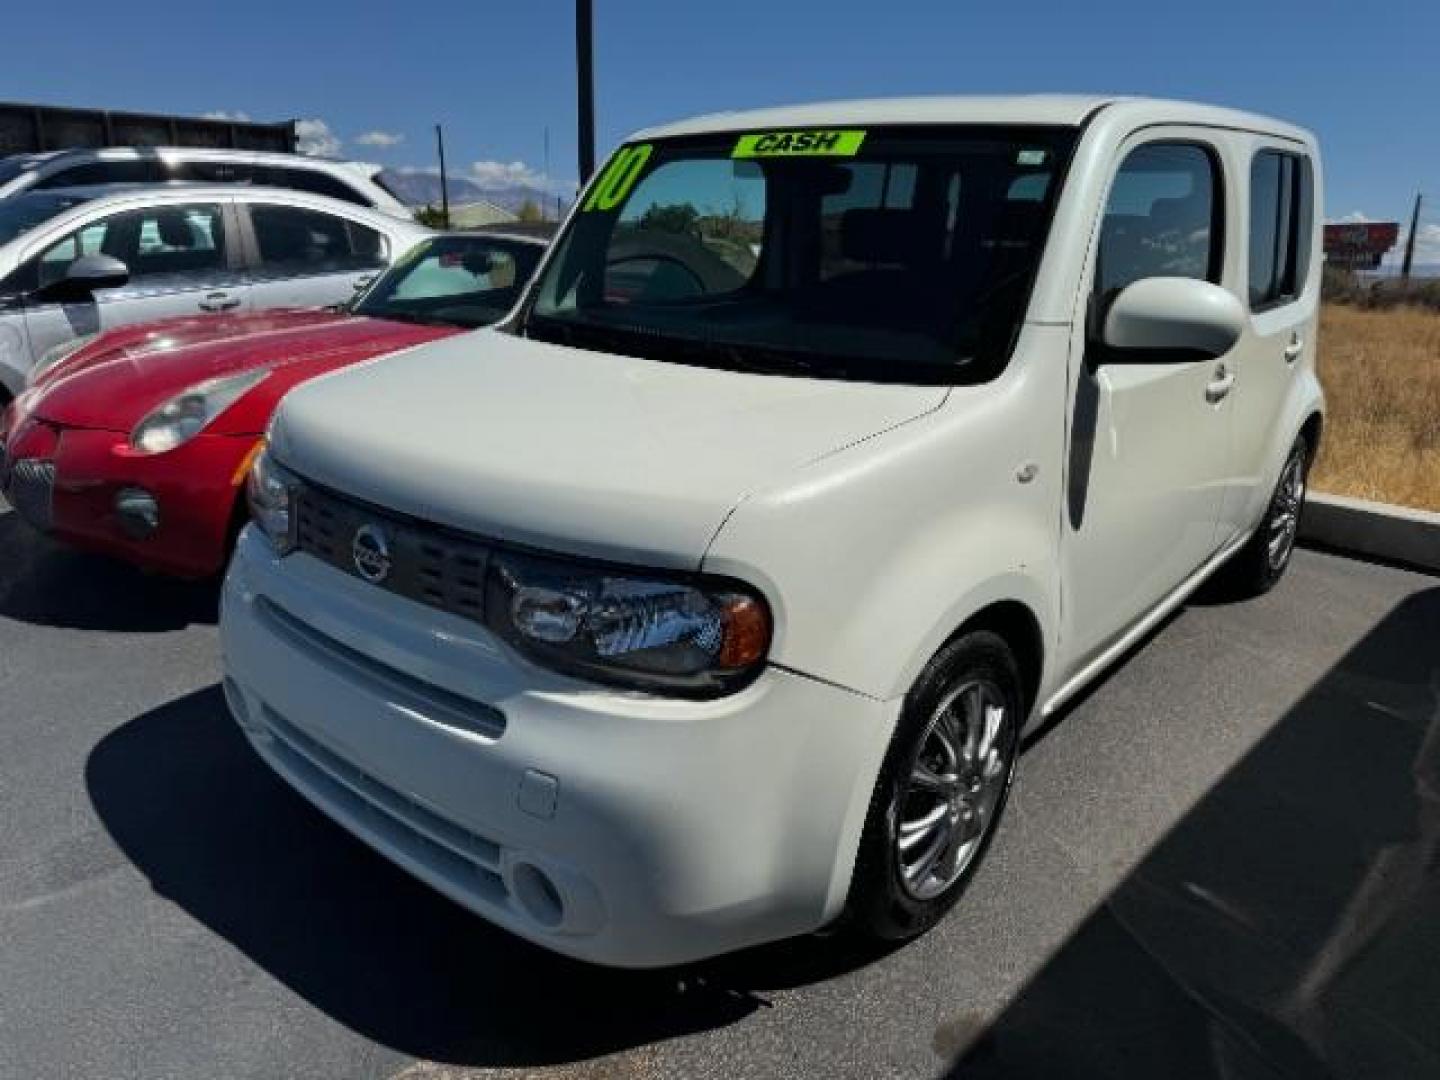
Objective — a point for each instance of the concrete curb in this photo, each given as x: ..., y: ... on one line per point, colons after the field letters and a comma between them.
x: 1376, y: 530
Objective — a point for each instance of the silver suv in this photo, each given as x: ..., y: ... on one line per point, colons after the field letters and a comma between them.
x: 349, y: 181
x: 77, y: 261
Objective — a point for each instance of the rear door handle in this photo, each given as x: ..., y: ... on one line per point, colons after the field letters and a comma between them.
x: 1294, y: 349
x: 1220, y: 386
x: 363, y: 282
x: 219, y: 301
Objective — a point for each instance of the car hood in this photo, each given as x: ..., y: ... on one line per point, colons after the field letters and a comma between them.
x: 596, y: 454
x: 112, y: 386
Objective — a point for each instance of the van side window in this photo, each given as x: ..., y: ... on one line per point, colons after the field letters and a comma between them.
x: 1282, y: 217
x: 1163, y: 218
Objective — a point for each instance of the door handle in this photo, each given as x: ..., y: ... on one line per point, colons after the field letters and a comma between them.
x: 363, y: 282
x: 1219, y: 387
x: 219, y: 301
x: 1294, y: 349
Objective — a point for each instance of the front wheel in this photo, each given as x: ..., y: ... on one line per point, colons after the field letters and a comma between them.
x: 941, y: 790
x: 1263, y: 560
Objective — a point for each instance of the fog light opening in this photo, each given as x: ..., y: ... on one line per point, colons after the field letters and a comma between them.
x: 137, y: 511
x: 537, y: 895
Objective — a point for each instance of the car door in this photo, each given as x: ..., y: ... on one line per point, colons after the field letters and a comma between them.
x: 1279, y: 231
x: 182, y: 261
x: 1149, y: 435
x: 304, y: 257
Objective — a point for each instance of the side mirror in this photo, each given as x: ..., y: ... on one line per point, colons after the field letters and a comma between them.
x: 1161, y: 318
x: 84, y: 276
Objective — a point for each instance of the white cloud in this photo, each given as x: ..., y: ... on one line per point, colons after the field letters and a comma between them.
x: 315, y: 138
x: 494, y: 174
x: 380, y: 139
x: 221, y: 114
x: 1427, y: 245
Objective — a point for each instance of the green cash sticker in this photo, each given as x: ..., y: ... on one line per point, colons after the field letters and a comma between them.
x: 799, y: 144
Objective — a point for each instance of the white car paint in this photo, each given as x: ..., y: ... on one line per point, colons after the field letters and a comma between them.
x: 876, y: 520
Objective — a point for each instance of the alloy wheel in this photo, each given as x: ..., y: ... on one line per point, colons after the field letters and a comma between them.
x: 951, y: 795
x: 1284, y: 521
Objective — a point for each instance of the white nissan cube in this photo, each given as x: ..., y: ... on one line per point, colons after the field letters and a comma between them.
x: 706, y: 600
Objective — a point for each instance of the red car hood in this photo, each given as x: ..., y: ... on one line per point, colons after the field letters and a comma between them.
x: 116, y: 380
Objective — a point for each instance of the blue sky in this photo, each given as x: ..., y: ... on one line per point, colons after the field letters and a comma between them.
x: 1367, y: 79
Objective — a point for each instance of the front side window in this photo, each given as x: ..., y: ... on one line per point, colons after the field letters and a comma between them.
x: 156, y: 243
x: 142, y: 171
x: 1282, y: 218
x: 465, y: 281
x: 294, y: 241
x: 1162, y: 219
x: 901, y: 254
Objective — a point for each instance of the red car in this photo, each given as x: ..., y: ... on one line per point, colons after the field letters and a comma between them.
x: 136, y: 444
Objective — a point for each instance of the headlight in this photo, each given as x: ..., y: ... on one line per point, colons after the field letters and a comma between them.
x: 57, y: 355
x: 690, y: 635
x: 190, y: 412
x: 270, y: 491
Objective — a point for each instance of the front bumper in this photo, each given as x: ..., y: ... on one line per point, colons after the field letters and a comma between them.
x: 616, y: 827
x: 67, y: 482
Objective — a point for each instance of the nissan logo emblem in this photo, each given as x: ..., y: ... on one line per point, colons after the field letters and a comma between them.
x: 371, y: 552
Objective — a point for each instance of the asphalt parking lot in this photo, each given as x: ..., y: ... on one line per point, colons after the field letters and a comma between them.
x: 1223, y: 861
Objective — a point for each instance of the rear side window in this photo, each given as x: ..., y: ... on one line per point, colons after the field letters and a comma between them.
x: 294, y: 241
x: 317, y: 183
x: 1282, y: 217
x: 1163, y: 218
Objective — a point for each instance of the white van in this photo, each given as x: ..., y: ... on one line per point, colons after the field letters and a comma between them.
x: 706, y: 601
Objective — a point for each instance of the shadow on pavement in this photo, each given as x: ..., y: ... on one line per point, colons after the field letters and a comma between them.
x: 46, y: 584
x: 214, y: 831
x: 1289, y: 925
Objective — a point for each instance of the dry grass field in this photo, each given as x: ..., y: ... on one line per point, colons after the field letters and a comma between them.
x: 1381, y: 371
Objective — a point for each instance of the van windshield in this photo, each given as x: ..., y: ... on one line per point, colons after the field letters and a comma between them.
x: 892, y: 254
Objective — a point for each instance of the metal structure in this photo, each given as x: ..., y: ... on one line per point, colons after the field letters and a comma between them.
x: 30, y: 128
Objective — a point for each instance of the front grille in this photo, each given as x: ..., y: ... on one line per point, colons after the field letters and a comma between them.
x: 427, y: 564
x: 30, y: 488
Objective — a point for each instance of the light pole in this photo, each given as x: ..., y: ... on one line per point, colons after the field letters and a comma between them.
x: 585, y: 87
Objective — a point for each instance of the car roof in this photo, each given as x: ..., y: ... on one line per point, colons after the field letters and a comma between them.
x: 1064, y: 110
x: 153, y: 194
x: 237, y: 153
x: 171, y: 192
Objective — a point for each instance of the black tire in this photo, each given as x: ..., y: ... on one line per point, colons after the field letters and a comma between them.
x: 1252, y: 571
x: 881, y: 904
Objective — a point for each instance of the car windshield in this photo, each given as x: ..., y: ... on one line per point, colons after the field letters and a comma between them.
x: 901, y: 254
x: 466, y: 281
x: 21, y: 213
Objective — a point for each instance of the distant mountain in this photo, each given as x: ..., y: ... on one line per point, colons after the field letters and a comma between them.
x: 417, y: 188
